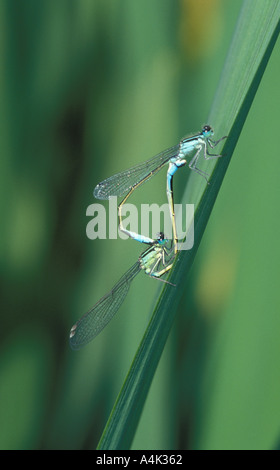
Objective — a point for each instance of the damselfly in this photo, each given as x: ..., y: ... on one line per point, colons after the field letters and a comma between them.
x: 155, y: 261
x: 124, y: 183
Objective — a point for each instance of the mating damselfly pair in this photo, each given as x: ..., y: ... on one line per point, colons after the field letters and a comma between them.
x: 156, y: 260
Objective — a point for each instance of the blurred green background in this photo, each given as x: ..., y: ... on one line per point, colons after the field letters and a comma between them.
x: 88, y: 88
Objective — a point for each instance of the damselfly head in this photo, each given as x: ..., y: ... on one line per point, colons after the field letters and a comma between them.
x: 207, y: 131
x: 160, y: 238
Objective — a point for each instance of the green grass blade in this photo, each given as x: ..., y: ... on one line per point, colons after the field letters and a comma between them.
x: 255, y: 35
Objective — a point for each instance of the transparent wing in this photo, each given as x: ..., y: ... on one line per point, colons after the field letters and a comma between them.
x: 121, y: 183
x: 102, y: 312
